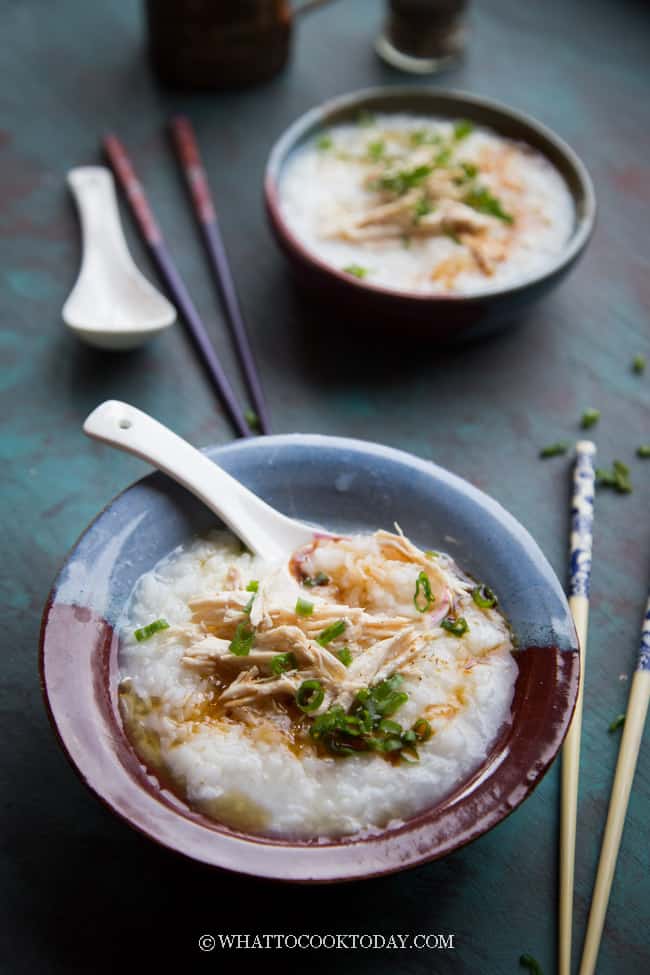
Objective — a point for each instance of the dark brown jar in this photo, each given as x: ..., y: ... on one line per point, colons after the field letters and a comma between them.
x: 423, y: 35
x: 217, y: 43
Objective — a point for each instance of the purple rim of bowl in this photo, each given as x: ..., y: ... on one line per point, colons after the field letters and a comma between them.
x: 79, y: 666
x: 459, y: 103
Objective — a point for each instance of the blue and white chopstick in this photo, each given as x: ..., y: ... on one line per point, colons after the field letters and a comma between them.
x: 637, y: 710
x: 582, y: 517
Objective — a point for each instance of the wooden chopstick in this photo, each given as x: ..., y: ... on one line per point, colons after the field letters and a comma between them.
x: 152, y: 235
x: 582, y: 513
x: 189, y: 156
x: 637, y: 710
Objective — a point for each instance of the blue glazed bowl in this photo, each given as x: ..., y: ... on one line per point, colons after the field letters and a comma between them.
x: 442, y: 317
x: 343, y: 485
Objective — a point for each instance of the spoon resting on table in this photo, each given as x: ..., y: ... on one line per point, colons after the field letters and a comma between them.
x: 263, y: 530
x: 112, y: 305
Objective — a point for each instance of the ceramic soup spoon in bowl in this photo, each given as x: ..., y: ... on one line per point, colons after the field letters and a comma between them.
x: 260, y: 527
x: 112, y: 305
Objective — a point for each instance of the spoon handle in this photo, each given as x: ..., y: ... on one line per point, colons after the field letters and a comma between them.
x: 262, y: 529
x: 93, y: 190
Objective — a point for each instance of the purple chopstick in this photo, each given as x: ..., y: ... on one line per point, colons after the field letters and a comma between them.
x: 190, y: 159
x: 144, y: 217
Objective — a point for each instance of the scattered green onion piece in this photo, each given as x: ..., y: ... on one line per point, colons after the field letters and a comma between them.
x: 304, y: 607
x: 554, y: 449
x: 617, y: 478
x: 409, y: 737
x: 410, y: 755
x: 320, y: 579
x: 617, y: 723
x: 331, y: 632
x: 480, y: 199
x: 252, y: 586
x: 390, y: 745
x: 242, y: 641
x: 639, y: 364
x: 345, y: 656
x: 252, y: 419
x: 399, y: 183
x: 457, y: 626
x: 376, y: 150
x: 443, y: 158
x: 422, y: 208
x: 356, y: 271
x: 324, y: 142
x: 422, y: 138
x: 365, y: 118
x: 533, y: 966
x: 145, y: 632
x: 423, y: 598
x: 283, y: 662
x: 589, y: 418
x: 422, y: 729
x: 310, y: 695
x: 484, y: 597
x: 390, y: 727
x: 470, y: 170
x: 462, y: 129
x: 643, y: 451
x: 249, y: 605
x: 431, y: 554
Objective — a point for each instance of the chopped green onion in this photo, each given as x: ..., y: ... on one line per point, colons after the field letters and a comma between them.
x: 422, y: 729
x: 470, y: 170
x: 283, y: 662
x: 443, y: 158
x: 527, y: 961
x: 431, y: 554
x: 423, y: 598
x: 249, y: 605
x: 554, y: 449
x: 422, y: 138
x: 365, y: 118
x: 617, y: 478
x: 409, y: 737
x: 484, y: 597
x: 145, y: 632
x: 390, y: 727
x: 410, y: 755
x: 422, y: 208
x: 320, y: 579
x: 252, y: 419
x: 589, y: 418
x: 345, y: 656
x: 252, y: 586
x: 331, y: 632
x: 480, y: 199
x: 399, y: 183
x: 242, y: 641
x: 310, y: 695
x: 356, y: 271
x: 643, y: 451
x: 376, y: 149
x: 304, y: 607
x: 618, y: 721
x: 462, y: 129
x: 390, y: 744
x: 324, y: 142
x: 638, y: 364
x: 457, y: 626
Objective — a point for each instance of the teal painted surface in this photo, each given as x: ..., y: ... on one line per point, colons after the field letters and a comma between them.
x: 483, y: 412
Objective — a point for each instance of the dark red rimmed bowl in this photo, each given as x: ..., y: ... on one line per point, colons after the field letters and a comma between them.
x: 301, y: 475
x: 448, y: 317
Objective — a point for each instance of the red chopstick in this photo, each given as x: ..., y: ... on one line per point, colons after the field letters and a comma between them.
x: 189, y: 157
x: 153, y: 237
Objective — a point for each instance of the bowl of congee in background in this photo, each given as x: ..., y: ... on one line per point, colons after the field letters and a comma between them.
x: 428, y: 211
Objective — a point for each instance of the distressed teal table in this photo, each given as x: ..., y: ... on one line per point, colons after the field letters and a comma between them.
x: 83, y: 892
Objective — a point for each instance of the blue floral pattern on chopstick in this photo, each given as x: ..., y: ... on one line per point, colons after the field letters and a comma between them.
x: 582, y: 519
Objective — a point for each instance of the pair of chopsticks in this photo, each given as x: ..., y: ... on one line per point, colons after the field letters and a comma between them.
x: 582, y: 511
x: 188, y: 153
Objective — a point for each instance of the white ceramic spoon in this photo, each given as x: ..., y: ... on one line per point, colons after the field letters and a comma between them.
x: 112, y: 305
x: 262, y: 529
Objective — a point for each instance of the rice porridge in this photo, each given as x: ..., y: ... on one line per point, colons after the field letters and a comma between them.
x: 426, y: 206
x: 337, y: 693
